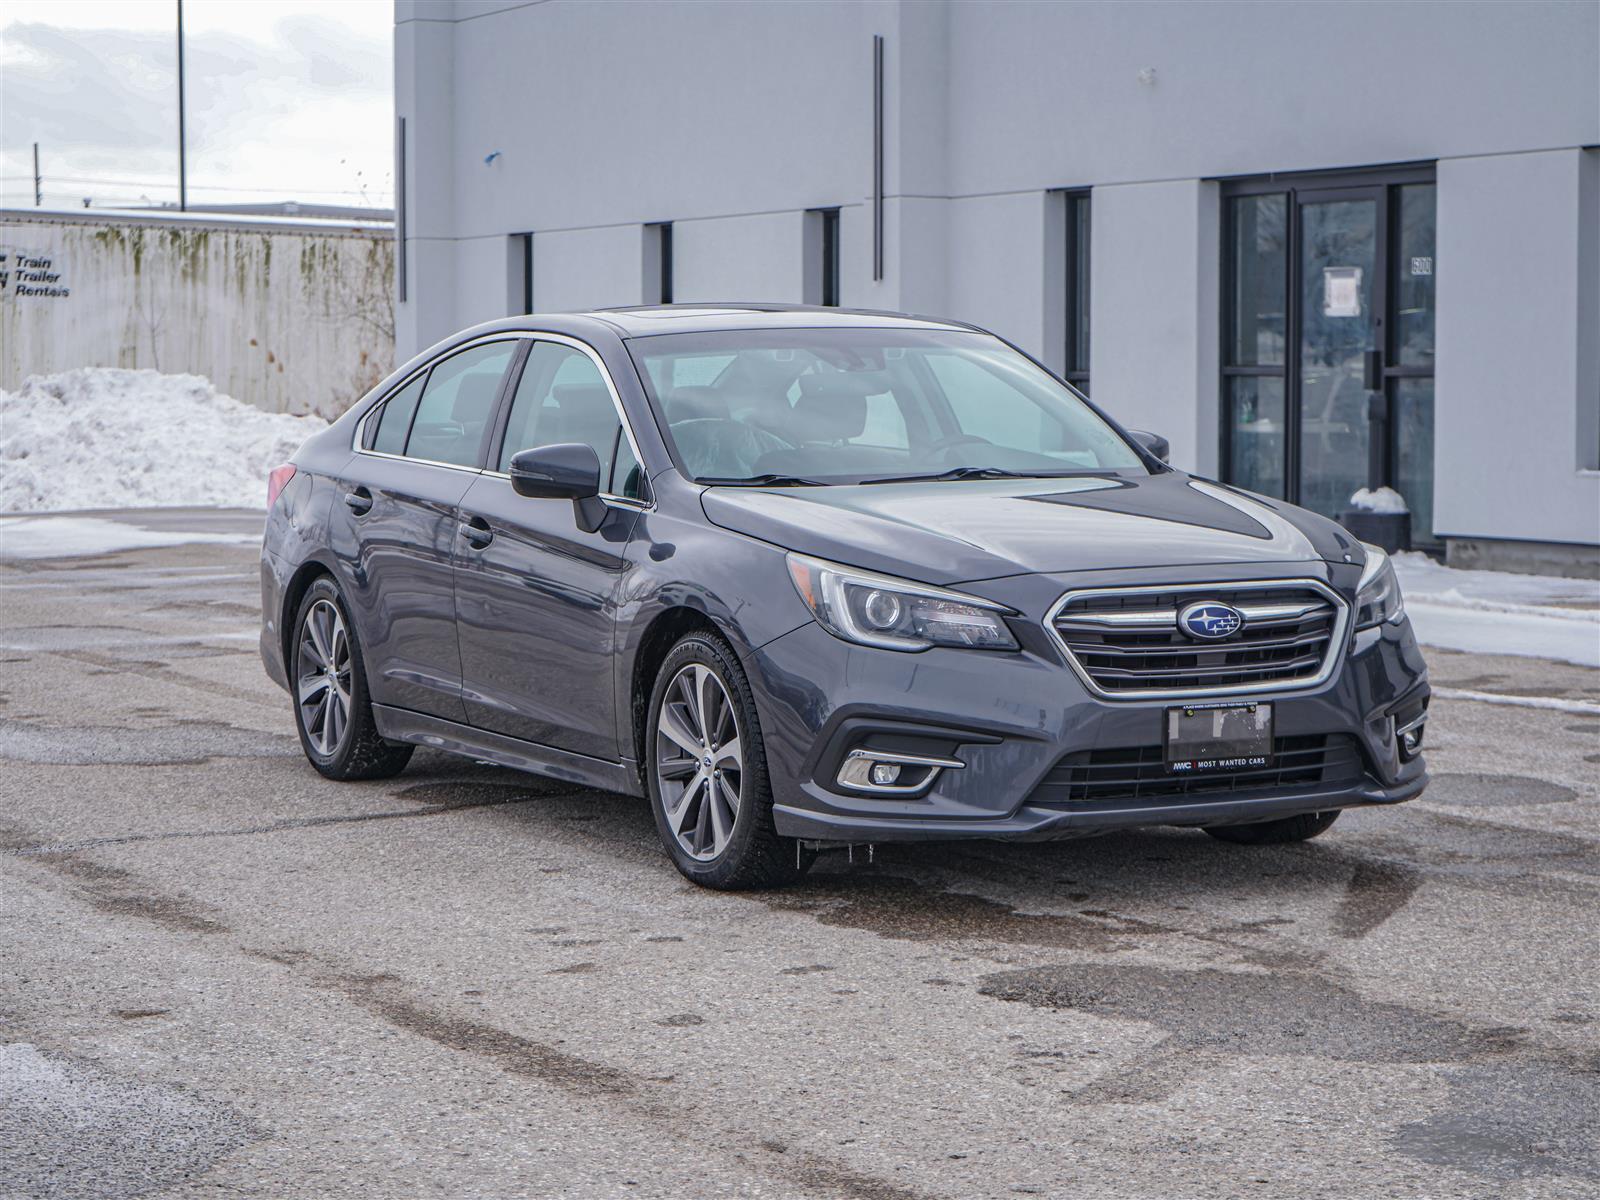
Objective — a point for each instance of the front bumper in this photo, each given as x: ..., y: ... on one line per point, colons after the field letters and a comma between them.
x: 1012, y: 718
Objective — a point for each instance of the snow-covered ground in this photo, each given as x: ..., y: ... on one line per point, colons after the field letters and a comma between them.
x: 77, y: 536
x: 102, y: 437
x: 1494, y: 612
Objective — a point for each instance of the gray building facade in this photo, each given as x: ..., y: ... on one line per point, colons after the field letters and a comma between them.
x: 1316, y: 245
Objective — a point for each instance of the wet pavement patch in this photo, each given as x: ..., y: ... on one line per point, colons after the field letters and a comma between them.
x: 480, y: 793
x: 1511, y: 1122
x: 827, y: 1178
x: 185, y: 744
x: 287, y: 957
x: 895, y: 907
x: 1496, y: 791
x: 511, y: 1052
x: 1251, y: 1013
x: 1454, y: 844
x: 520, y: 1056
x: 69, y: 1129
x: 118, y: 893
x: 1376, y: 891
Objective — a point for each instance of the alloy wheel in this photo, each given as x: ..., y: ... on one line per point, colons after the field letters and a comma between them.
x: 699, y: 762
x: 322, y: 682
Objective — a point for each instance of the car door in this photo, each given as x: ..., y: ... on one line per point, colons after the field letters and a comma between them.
x: 535, y: 594
x: 418, y: 453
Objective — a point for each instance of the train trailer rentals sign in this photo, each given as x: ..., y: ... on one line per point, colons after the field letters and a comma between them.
x: 31, y: 273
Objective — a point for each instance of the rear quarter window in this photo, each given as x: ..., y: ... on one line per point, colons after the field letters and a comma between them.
x: 394, y: 420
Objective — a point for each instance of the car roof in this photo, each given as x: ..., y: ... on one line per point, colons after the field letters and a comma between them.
x: 651, y: 319
x: 656, y: 319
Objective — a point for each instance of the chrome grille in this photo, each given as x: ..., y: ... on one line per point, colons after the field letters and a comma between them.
x: 1125, y: 643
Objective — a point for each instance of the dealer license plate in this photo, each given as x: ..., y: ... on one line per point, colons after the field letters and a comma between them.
x: 1218, y: 737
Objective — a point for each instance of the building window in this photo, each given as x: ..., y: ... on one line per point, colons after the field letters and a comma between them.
x: 830, y: 257
x: 658, y: 263
x: 1077, y: 278
x: 519, y: 274
x: 1253, y: 357
x: 821, y: 249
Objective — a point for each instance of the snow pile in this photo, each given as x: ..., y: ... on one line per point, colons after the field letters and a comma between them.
x: 101, y: 437
x: 1494, y: 612
x: 1378, y: 500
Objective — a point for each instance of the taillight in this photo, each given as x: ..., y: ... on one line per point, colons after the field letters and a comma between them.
x: 277, y: 481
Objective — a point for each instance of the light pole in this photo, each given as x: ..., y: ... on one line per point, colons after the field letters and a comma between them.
x: 183, y: 175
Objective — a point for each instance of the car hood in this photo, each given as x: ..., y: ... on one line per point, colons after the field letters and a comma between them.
x: 965, y: 530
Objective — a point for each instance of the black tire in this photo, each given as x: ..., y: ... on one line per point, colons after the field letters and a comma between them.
x: 1300, y: 828
x: 755, y: 856
x: 358, y: 751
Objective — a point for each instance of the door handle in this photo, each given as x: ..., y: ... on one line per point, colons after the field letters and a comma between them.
x: 359, y: 501
x: 1372, y: 370
x: 477, y: 532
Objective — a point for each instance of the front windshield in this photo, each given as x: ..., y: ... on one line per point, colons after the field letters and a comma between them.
x: 867, y: 405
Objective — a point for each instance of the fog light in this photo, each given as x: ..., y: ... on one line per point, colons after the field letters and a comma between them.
x: 1409, y: 737
x: 890, y: 773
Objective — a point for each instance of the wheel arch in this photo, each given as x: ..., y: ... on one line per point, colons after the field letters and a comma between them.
x: 663, y: 632
x: 294, y: 592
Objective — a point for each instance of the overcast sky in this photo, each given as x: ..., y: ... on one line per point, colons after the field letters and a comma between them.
x: 287, y: 100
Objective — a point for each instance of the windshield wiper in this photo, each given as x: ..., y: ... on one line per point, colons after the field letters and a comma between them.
x: 770, y: 479
x: 958, y: 473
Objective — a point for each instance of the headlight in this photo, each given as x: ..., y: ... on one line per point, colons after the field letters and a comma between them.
x: 896, y: 614
x: 1378, y: 596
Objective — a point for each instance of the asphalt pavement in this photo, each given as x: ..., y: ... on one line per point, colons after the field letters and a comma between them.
x: 222, y: 975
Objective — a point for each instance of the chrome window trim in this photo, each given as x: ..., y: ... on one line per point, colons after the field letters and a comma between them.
x: 1330, y: 661
x: 611, y: 498
x: 361, y: 425
x: 421, y: 462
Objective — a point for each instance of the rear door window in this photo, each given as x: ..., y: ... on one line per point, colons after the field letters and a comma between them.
x: 458, y: 404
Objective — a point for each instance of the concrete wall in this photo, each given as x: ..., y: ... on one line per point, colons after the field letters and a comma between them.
x: 582, y: 123
x: 1517, y: 336
x: 1153, y: 301
x: 289, y: 318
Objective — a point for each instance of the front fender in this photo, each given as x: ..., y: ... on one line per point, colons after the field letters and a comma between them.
x: 677, y: 564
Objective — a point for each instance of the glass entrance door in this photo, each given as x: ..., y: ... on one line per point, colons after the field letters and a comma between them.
x: 1328, y: 339
x: 1339, y: 326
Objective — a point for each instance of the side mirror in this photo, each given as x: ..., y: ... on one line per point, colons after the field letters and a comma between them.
x: 1152, y: 442
x: 570, y: 471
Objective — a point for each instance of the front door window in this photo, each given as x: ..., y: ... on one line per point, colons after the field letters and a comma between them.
x: 1328, y: 340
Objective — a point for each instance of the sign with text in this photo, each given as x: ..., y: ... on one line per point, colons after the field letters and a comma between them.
x: 30, y: 273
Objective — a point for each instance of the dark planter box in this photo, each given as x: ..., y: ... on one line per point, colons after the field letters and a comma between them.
x: 1391, y: 531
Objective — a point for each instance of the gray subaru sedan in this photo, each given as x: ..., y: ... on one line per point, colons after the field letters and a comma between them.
x: 808, y: 578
